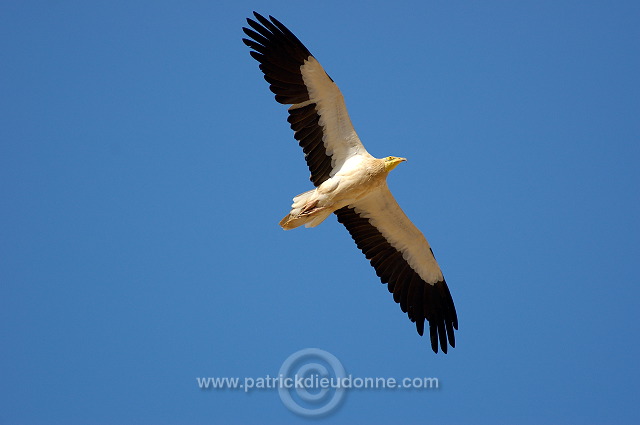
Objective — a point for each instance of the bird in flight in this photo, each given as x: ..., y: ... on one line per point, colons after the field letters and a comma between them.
x: 349, y: 182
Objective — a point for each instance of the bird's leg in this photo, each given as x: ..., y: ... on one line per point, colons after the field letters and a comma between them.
x: 309, y: 207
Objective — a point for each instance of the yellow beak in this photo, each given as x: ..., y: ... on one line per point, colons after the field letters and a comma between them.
x: 393, y: 163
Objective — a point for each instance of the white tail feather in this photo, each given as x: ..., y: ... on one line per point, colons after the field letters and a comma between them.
x: 304, y: 210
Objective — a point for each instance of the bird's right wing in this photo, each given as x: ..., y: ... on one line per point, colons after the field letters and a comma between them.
x: 401, y: 256
x: 318, y: 114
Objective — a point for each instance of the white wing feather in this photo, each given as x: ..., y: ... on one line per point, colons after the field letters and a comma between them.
x: 340, y: 139
x: 383, y: 212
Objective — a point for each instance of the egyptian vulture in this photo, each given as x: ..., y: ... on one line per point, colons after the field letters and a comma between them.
x: 349, y: 182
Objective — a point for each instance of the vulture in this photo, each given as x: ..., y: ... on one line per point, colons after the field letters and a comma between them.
x: 349, y: 182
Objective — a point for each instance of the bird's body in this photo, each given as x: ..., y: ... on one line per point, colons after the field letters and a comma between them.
x: 356, y: 179
x: 350, y: 182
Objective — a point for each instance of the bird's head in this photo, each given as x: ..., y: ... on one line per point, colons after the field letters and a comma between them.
x: 392, y: 162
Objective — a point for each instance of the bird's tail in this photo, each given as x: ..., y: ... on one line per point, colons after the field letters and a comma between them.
x: 305, y: 210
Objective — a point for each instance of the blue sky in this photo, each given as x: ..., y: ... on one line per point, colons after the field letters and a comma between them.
x: 145, y: 166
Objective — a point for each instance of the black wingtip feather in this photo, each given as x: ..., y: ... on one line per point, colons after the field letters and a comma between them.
x: 433, y: 336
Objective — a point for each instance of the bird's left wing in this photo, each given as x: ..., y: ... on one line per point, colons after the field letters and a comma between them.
x: 401, y: 256
x: 318, y: 114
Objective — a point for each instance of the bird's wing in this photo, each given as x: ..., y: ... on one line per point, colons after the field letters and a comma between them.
x: 401, y: 256
x: 318, y: 115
